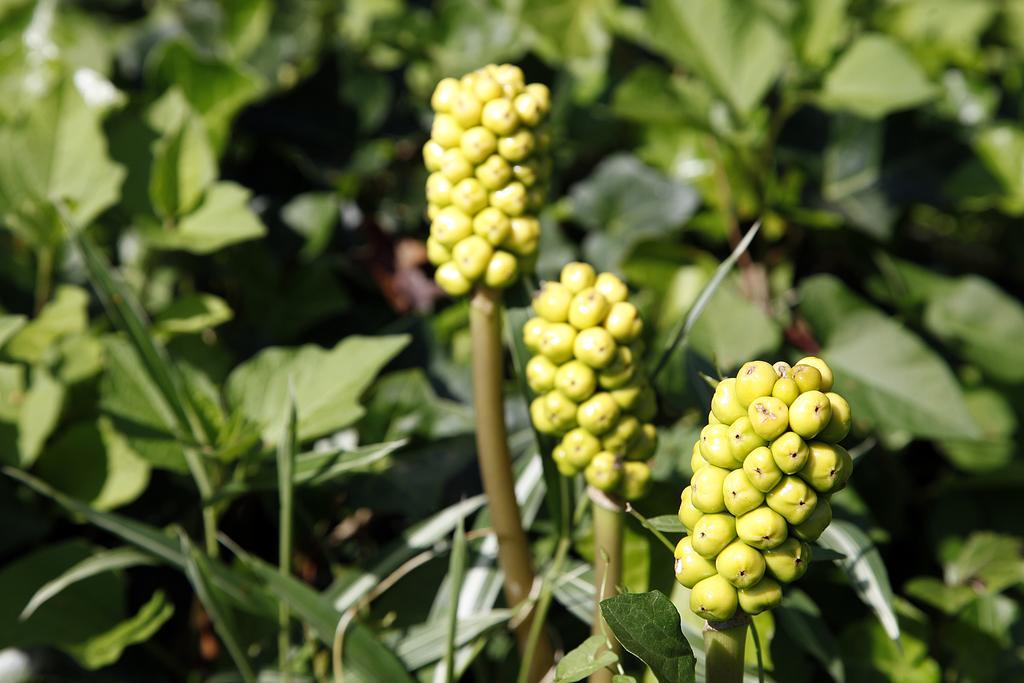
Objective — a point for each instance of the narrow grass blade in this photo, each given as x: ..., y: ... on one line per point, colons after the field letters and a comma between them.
x: 456, y: 572
x: 286, y: 488
x: 701, y: 303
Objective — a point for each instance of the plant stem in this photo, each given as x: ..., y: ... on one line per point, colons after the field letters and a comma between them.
x: 201, y: 477
x: 544, y: 603
x: 496, y: 467
x: 608, y: 519
x: 44, y: 277
x: 724, y: 642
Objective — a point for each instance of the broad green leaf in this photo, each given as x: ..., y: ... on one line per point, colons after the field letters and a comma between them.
x: 40, y: 412
x: 853, y: 158
x: 215, y: 88
x: 876, y: 76
x: 222, y: 219
x: 313, y: 215
x: 984, y: 323
x: 894, y: 381
x: 869, y: 654
x: 328, y: 384
x: 198, y: 572
x: 575, y: 34
x: 91, y: 606
x: 729, y: 42
x: 732, y: 329
x: 667, y: 523
x: 425, y: 644
x: 941, y: 30
x: 97, y: 563
x: 935, y: 593
x: 191, y: 314
x: 996, y: 419
x: 1001, y: 148
x: 867, y: 574
x: 245, y: 25
x: 90, y: 461
x: 802, y: 619
x: 404, y: 403
x: 590, y: 656
x: 54, y: 150
x: 647, y: 95
x: 65, y: 314
x: 647, y: 624
x: 822, y: 30
x: 103, y: 649
x: 989, y: 562
x: 184, y: 166
x: 826, y: 303
x: 624, y: 202
x: 9, y: 326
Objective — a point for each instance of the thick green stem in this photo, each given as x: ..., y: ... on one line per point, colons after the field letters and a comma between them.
x: 201, y: 477
x: 724, y: 642
x: 608, y: 519
x: 496, y: 468
x: 44, y: 277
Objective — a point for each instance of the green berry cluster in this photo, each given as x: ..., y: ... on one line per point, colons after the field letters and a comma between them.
x: 764, y: 469
x: 489, y: 170
x: 591, y: 388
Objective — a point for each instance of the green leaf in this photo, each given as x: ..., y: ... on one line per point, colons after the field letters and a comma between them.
x: 425, y: 644
x: 98, y: 563
x: 826, y: 303
x: 590, y: 656
x: 55, y: 151
x: 996, y: 419
x: 894, y: 381
x: 456, y: 573
x: 191, y: 314
x: 647, y: 624
x: 198, y: 572
x: 93, y: 463
x: 39, y: 415
x: 988, y: 561
x: 575, y: 34
x: 64, y: 315
x: 1001, y: 148
x: 328, y: 384
x: 9, y: 326
x: 667, y: 523
x: 802, y: 619
x: 984, y: 323
x: 870, y: 655
x: 935, y: 593
x: 822, y: 31
x: 313, y: 215
x: 105, y: 648
x: 732, y: 329
x: 184, y: 166
x: 624, y: 202
x: 876, y: 76
x: 222, y: 219
x: 865, y: 569
x: 729, y: 42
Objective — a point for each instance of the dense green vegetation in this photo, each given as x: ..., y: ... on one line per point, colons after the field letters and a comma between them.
x: 235, y: 409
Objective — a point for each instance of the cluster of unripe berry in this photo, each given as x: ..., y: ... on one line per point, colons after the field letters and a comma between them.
x: 489, y: 169
x: 764, y: 469
x: 591, y: 388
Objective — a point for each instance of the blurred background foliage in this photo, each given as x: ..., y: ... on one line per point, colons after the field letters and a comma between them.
x: 251, y: 168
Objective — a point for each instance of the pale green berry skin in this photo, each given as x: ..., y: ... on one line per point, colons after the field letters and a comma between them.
x: 761, y: 469
x: 494, y: 173
x: 576, y: 380
x: 565, y: 468
x: 714, y: 599
x: 595, y: 347
x: 646, y: 407
x: 577, y: 276
x: 518, y: 146
x: 740, y: 495
x: 523, y: 235
x: 811, y: 528
x: 502, y: 269
x: 492, y: 225
x: 753, y: 380
x: 788, y: 561
x: 437, y: 253
x: 762, y: 596
x: 622, y: 436
x: 644, y: 445
x: 539, y: 416
x: 690, y: 568
x: 743, y: 439
x: 540, y: 374
x: 740, y: 565
x: 628, y: 396
x: 446, y: 131
x: 499, y: 115
x: 725, y: 404
x: 611, y: 287
x: 561, y: 411
x: 432, y: 153
x: 439, y: 189
x: 620, y: 371
x: 762, y: 528
x: 450, y: 279
x: 604, y: 472
x: 706, y: 489
x: 580, y: 446
x: 478, y: 144
x: 623, y: 322
x: 471, y: 256
x: 810, y: 413
x: 455, y: 166
x: 782, y: 369
x: 450, y: 227
x: 552, y: 302
x: 712, y: 533
x: 807, y: 377
x: 598, y: 414
x: 557, y: 341
x: 790, y: 452
x: 636, y: 478
x: 511, y: 199
x: 826, y: 372
x: 828, y: 467
x: 533, y: 331
x: 786, y: 390
x: 588, y: 309
x: 793, y: 499
x: 696, y: 459
x: 769, y: 417
x: 839, y: 422
x: 466, y: 109
x: 716, y: 446
x: 444, y: 94
x: 688, y: 514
